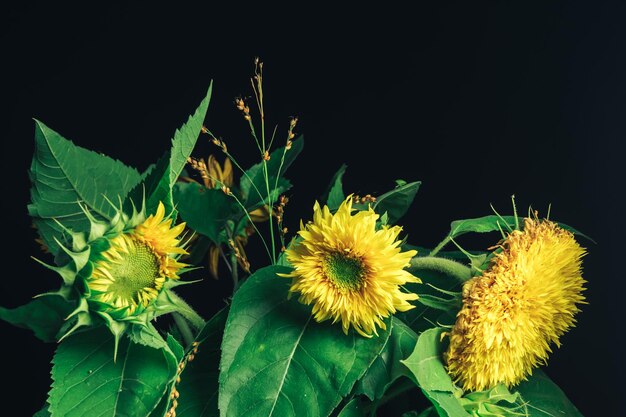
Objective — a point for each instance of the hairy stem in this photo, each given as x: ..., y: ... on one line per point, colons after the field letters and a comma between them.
x: 184, y: 329
x: 186, y: 311
x: 449, y: 267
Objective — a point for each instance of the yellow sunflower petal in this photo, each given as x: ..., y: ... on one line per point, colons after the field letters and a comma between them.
x: 514, y: 311
x: 349, y: 271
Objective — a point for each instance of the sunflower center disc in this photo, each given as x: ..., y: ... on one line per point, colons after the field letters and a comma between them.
x: 137, y: 271
x: 345, y: 272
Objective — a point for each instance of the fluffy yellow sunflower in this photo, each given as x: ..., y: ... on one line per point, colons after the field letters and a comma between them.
x: 349, y: 270
x: 132, y: 271
x: 517, y: 308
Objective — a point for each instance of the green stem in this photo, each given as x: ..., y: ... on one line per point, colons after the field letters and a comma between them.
x: 267, y: 249
x: 440, y: 246
x: 271, y: 206
x: 234, y: 161
x: 234, y: 272
x: 184, y: 329
x: 447, y: 266
x: 186, y: 311
x: 280, y: 168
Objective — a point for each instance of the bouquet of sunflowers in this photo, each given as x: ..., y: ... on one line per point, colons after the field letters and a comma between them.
x: 347, y: 316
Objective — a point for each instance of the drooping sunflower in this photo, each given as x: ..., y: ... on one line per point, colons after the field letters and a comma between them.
x: 214, y: 176
x: 349, y: 270
x: 120, y: 272
x: 521, y: 305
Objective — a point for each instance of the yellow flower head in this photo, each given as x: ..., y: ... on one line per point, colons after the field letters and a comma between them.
x: 521, y: 304
x: 350, y: 271
x: 132, y: 271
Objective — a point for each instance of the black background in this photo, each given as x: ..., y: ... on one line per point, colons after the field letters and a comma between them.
x: 479, y: 100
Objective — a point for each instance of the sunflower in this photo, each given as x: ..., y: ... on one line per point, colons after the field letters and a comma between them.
x: 132, y: 271
x: 524, y: 302
x: 349, y: 269
x: 120, y: 272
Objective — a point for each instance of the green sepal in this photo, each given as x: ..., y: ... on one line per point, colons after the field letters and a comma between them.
x: 81, y: 316
x: 80, y: 258
x: 65, y: 292
x: 83, y: 319
x: 117, y: 328
x: 83, y: 307
x: 97, y: 228
x: 67, y: 273
x: 100, y: 245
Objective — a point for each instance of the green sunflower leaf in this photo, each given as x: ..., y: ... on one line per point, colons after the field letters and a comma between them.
x: 205, y: 211
x: 44, y: 315
x: 387, y: 368
x: 544, y: 398
x: 494, y: 223
x: 497, y: 401
x: 484, y: 224
x: 185, y: 138
x: 147, y: 335
x: 43, y: 412
x: 164, y: 405
x: 198, y: 387
x: 429, y: 412
x: 397, y: 201
x: 159, y: 179
x: 353, y: 409
x: 334, y: 195
x: 88, y: 382
x: 428, y: 372
x: 63, y: 176
x: 277, y: 361
x: 253, y: 181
